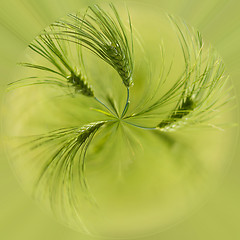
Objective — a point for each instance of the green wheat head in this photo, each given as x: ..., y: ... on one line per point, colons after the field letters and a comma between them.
x: 105, y: 36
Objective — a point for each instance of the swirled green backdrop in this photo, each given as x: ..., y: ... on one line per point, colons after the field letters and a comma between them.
x: 218, y: 20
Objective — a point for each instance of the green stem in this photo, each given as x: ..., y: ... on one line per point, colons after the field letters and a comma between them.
x: 146, y: 128
x: 105, y: 107
x: 127, y: 104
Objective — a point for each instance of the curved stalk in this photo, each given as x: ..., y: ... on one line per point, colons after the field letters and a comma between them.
x: 106, y: 107
x: 145, y: 128
x: 127, y: 104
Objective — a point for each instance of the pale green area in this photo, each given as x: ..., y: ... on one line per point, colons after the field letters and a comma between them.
x: 219, y: 23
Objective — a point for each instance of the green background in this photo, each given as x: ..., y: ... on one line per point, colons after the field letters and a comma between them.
x: 219, y: 22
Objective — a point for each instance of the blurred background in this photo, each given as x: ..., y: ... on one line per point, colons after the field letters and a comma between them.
x: 217, y: 20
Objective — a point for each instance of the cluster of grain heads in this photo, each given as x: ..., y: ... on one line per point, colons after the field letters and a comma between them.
x: 194, y: 97
x: 98, y: 31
